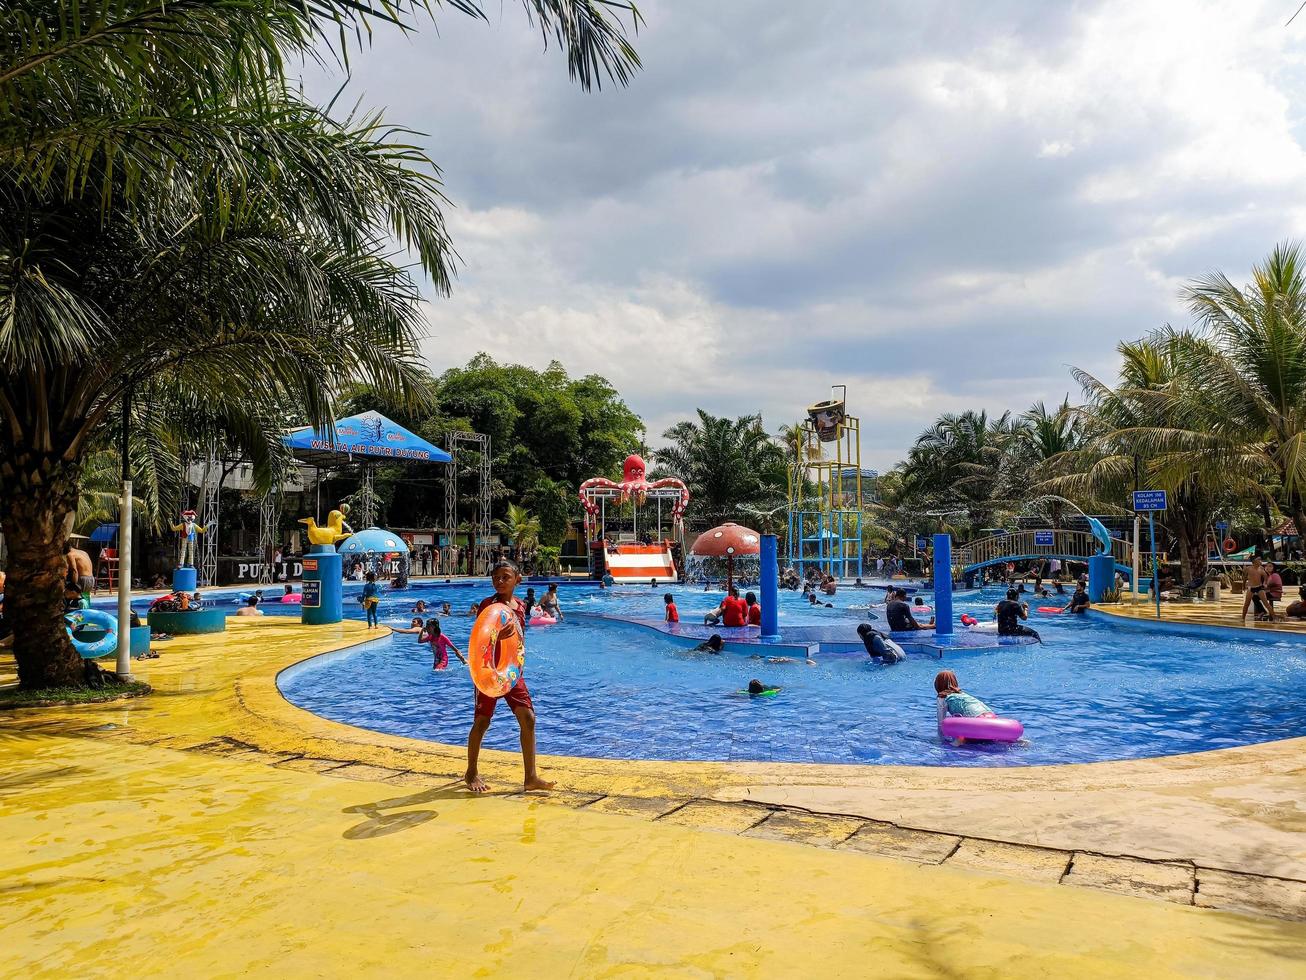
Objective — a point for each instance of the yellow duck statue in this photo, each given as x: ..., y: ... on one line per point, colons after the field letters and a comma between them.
x: 336, y: 529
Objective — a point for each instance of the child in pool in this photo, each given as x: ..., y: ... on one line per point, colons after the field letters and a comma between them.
x: 420, y: 606
x: 446, y: 610
x: 440, y: 645
x: 952, y: 700
x: 415, y: 626
x: 756, y: 687
x: 371, y: 600
x: 672, y: 613
x: 713, y: 644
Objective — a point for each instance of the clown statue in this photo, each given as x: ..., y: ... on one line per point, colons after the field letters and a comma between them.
x: 186, y: 532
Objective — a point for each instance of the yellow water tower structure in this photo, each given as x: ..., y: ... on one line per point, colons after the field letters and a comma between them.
x: 825, y: 490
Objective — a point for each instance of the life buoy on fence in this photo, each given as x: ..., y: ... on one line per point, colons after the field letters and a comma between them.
x: 1230, y: 544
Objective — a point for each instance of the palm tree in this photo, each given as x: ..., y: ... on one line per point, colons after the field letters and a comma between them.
x: 1252, y: 376
x: 1155, y: 422
x: 1040, y: 435
x: 173, y: 216
x: 725, y: 463
x: 521, y: 527
x: 960, y: 464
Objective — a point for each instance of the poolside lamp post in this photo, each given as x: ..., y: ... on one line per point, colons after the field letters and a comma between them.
x: 123, y: 667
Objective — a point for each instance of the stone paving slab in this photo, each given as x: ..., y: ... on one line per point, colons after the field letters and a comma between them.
x: 306, y: 764
x: 362, y: 771
x: 1247, y: 893
x: 1018, y: 860
x: 707, y: 815
x: 648, y: 807
x: 556, y: 798
x: 897, y: 842
x: 805, y: 828
x: 1130, y: 876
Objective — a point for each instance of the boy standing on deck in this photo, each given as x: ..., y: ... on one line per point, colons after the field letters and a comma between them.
x: 505, y: 578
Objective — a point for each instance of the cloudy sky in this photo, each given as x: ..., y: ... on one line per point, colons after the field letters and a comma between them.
x: 939, y: 204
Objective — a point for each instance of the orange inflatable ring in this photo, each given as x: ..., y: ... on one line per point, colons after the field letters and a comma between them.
x: 1230, y: 544
x: 496, y: 651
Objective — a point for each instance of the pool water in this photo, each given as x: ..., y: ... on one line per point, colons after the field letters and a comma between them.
x: 1094, y: 691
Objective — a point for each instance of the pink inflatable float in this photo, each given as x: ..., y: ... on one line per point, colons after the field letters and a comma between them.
x: 542, y: 620
x: 988, y: 729
x: 293, y: 597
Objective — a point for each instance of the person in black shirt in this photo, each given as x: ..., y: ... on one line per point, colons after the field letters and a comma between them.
x: 1010, y: 611
x: 1079, y: 601
x: 898, y: 614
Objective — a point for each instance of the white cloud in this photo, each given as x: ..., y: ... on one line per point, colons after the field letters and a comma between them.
x: 939, y: 205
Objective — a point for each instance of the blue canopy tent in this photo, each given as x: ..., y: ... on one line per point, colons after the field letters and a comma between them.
x: 366, y: 438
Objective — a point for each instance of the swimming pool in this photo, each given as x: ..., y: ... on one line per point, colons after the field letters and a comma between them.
x: 1095, y: 691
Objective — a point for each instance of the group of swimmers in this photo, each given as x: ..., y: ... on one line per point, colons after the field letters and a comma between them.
x: 732, y: 611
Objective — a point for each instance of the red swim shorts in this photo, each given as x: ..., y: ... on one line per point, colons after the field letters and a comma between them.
x: 518, y: 697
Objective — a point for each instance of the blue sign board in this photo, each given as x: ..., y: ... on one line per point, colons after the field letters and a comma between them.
x: 1222, y: 526
x: 312, y: 593
x: 1149, y: 500
x: 1043, y: 539
x: 922, y: 543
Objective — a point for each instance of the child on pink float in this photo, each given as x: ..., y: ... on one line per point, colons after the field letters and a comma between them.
x: 952, y: 700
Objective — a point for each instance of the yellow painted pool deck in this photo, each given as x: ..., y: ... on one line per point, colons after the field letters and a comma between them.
x: 1226, y: 613
x: 213, y: 829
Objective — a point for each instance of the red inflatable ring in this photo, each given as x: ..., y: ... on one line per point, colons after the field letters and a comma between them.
x: 1230, y: 544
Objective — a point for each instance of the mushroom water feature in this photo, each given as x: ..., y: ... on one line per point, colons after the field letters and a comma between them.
x: 728, y: 541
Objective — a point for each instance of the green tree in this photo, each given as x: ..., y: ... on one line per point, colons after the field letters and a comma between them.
x: 1252, y: 375
x: 1039, y: 436
x: 555, y: 503
x: 728, y: 464
x: 959, y: 466
x: 173, y: 213
x: 521, y: 527
x: 1155, y: 423
x: 546, y: 428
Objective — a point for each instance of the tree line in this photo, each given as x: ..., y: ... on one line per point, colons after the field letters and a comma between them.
x: 1214, y: 414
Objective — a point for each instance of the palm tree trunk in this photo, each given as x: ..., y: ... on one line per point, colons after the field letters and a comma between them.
x: 36, y: 513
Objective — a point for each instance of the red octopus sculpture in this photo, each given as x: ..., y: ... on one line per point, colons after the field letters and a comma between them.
x: 633, y: 486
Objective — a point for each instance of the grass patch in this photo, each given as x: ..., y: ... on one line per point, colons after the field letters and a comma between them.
x: 12, y: 697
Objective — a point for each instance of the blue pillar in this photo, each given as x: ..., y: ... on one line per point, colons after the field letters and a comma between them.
x: 770, y: 586
x: 323, y: 587
x: 1101, y: 576
x: 184, y: 579
x: 943, y: 584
